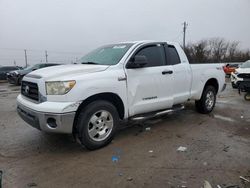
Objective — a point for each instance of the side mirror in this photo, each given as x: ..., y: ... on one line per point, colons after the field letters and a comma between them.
x: 137, y: 62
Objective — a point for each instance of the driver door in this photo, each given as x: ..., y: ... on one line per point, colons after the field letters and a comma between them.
x: 150, y: 88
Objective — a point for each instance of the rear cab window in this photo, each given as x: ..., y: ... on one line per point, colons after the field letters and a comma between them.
x: 172, y: 55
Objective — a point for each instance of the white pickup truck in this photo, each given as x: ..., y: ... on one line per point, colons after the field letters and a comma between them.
x: 114, y: 83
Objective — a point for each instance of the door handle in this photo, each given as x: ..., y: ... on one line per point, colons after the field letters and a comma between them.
x: 167, y: 72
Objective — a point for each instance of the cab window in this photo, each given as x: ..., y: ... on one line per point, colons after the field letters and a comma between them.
x: 155, y: 55
x: 173, y: 55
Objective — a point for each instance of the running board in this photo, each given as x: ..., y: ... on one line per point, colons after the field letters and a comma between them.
x: 158, y: 113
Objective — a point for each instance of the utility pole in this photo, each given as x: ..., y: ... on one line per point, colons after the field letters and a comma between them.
x: 14, y: 62
x: 46, y: 56
x: 26, y: 60
x: 184, y: 34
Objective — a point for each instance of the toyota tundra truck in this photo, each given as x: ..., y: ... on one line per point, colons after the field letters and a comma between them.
x: 116, y: 83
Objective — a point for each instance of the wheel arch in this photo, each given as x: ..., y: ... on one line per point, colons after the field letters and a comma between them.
x: 212, y: 82
x: 200, y: 104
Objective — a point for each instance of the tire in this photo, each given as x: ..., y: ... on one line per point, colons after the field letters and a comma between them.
x: 20, y: 80
x: 96, y: 124
x: 17, y: 82
x: 207, y: 102
x: 247, y: 96
x: 234, y: 86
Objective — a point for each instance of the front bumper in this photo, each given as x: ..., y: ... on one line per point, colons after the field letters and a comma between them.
x: 235, y: 79
x: 54, y: 122
x: 12, y: 80
x: 244, y: 86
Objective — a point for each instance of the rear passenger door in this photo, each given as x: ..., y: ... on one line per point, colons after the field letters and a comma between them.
x: 182, y: 75
x: 150, y: 87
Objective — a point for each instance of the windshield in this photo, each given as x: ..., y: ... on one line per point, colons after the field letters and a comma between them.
x: 245, y: 65
x: 106, y: 55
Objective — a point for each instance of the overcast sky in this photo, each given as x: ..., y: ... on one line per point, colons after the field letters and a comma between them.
x: 77, y: 26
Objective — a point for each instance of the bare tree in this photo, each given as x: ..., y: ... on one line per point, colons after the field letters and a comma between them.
x: 201, y: 51
x: 198, y: 52
x: 190, y: 52
x: 219, y: 48
x: 232, y: 50
x: 216, y: 50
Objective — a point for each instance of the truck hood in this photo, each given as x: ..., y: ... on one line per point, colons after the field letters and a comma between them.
x: 243, y: 70
x: 66, y: 71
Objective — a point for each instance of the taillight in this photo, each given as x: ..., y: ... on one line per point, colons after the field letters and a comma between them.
x: 224, y: 68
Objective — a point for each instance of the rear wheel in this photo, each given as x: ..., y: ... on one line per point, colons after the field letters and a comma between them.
x: 207, y: 102
x: 96, y: 124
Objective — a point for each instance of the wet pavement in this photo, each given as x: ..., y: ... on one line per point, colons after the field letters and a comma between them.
x: 6, y: 88
x: 217, y: 150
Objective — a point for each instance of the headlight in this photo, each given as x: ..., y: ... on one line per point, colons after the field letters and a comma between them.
x: 14, y: 73
x: 59, y: 87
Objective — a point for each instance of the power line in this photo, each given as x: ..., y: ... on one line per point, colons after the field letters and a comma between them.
x: 36, y: 50
x: 16, y: 49
x: 37, y: 59
x: 177, y: 37
x: 31, y: 55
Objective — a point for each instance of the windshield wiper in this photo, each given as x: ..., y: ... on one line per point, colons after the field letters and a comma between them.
x: 89, y: 62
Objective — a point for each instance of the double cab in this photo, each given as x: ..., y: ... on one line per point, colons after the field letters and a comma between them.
x: 114, y: 83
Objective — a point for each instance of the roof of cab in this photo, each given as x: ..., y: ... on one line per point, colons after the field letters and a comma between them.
x: 150, y: 41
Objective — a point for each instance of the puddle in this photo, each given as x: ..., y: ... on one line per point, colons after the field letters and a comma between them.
x: 15, y: 89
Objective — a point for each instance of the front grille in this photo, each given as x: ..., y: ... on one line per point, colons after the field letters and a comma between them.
x: 244, y: 76
x: 30, y: 90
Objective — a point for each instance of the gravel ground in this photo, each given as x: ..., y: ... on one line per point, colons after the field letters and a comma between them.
x: 217, y: 150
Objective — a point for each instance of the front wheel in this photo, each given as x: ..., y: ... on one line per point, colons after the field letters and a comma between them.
x: 17, y: 82
x: 207, y: 102
x: 96, y: 124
